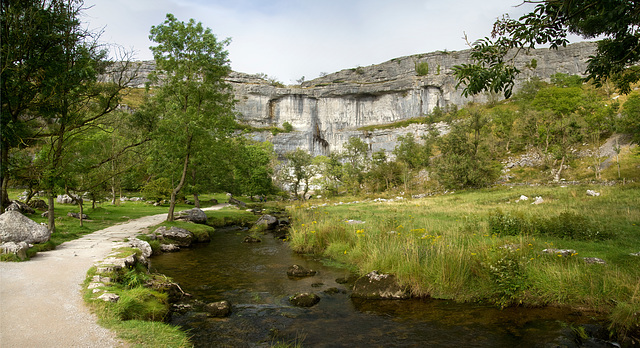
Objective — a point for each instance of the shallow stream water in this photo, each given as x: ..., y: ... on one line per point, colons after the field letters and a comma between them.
x: 252, y: 277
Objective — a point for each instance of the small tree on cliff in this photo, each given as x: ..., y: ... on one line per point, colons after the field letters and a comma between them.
x: 195, y: 101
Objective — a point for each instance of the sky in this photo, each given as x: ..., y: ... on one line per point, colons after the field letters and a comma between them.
x: 289, y: 39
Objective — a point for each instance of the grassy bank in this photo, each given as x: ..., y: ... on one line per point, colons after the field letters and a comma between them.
x: 485, y: 246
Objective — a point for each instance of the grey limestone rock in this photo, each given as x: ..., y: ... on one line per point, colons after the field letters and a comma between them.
x: 15, y: 227
x: 376, y: 285
x: 20, y: 207
x: 19, y: 249
x: 269, y: 221
x: 195, y: 215
x: 180, y: 236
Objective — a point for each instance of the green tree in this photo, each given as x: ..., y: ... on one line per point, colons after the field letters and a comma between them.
x: 464, y: 162
x: 253, y: 167
x: 631, y: 117
x: 355, y: 164
x: 195, y: 101
x: 549, y: 23
x: 298, y: 171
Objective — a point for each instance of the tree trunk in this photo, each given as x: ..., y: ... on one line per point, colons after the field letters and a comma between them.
x: 4, y: 178
x: 80, y: 203
x: 51, y: 217
x: 196, y: 200
x: 557, y: 178
x: 174, y: 192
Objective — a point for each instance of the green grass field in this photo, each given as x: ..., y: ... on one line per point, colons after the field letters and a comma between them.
x: 485, y: 246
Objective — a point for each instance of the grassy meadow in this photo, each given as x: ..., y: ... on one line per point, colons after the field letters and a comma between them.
x: 486, y: 246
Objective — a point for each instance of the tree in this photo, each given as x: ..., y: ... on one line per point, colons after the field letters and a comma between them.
x: 617, y: 21
x: 56, y: 89
x: 631, y: 116
x: 355, y: 163
x: 34, y: 36
x: 298, y: 171
x: 464, y: 162
x: 195, y: 101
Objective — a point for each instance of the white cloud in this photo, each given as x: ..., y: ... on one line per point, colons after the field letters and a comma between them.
x: 287, y: 39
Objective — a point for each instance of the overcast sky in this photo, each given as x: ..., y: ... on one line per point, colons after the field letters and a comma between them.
x: 288, y: 39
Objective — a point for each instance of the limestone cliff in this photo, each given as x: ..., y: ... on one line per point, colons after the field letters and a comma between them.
x: 327, y: 111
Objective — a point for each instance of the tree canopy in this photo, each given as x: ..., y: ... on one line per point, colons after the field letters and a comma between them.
x: 615, y: 22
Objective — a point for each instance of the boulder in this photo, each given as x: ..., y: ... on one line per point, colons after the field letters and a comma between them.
x: 15, y: 227
x: 169, y: 248
x: 19, y: 249
x: 218, y: 309
x: 560, y: 252
x: 77, y: 215
x: 109, y: 297
x: 269, y: 221
x: 142, y: 245
x: 237, y: 202
x: 297, y: 271
x: 250, y: 239
x: 376, y: 286
x: 20, y: 207
x: 38, y: 204
x: 304, y: 299
x: 593, y: 193
x: 594, y: 260
x: 193, y: 215
x: 66, y: 199
x: 180, y: 236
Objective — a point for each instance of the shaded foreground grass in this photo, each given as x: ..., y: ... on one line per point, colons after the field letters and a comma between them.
x: 445, y: 246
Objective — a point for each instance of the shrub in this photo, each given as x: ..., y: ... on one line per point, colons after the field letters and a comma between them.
x: 505, y: 224
x: 570, y: 225
x: 509, y: 279
x: 287, y: 127
x: 422, y: 68
x: 157, y: 190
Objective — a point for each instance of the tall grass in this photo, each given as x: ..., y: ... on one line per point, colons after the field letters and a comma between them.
x: 444, y: 246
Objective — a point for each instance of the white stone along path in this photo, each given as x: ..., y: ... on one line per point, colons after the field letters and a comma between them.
x: 41, y: 302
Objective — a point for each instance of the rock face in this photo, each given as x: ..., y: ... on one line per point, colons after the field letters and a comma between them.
x: 15, y: 227
x: 327, y: 111
x: 375, y: 286
x: 195, y: 215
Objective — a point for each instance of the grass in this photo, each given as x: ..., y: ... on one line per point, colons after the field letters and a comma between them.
x: 443, y: 246
x: 138, y: 316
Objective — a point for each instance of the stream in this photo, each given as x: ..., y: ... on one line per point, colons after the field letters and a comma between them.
x: 252, y: 277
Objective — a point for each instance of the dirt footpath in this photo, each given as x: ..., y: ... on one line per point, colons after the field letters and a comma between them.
x: 41, y: 303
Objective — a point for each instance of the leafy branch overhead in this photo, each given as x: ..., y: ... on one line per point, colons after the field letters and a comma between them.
x: 618, y: 52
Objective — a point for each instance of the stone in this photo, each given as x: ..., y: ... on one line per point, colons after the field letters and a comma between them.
x: 250, y: 239
x: 593, y: 193
x: 237, y: 202
x: 538, y: 200
x: 298, y: 271
x: 270, y: 222
x: 560, y: 252
x: 142, y: 245
x: 66, y: 199
x: 20, y: 207
x: 374, y: 286
x: 195, y: 215
x: 109, y: 297
x: 594, y: 260
x: 169, y: 248
x: 635, y: 254
x: 354, y: 222
x: 304, y: 299
x: 38, y: 204
x: 77, y: 215
x: 15, y: 227
x: 218, y: 309
x: 180, y: 236
x: 19, y: 249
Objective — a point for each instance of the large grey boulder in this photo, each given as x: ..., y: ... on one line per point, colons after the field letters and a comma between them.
x: 375, y: 286
x: 38, y: 204
x: 66, y: 199
x: 194, y: 215
x: 142, y: 245
x: 15, y: 227
x: 180, y: 236
x: 20, y: 207
x: 270, y: 222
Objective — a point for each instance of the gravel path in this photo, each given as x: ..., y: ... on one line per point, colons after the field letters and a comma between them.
x: 41, y: 303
